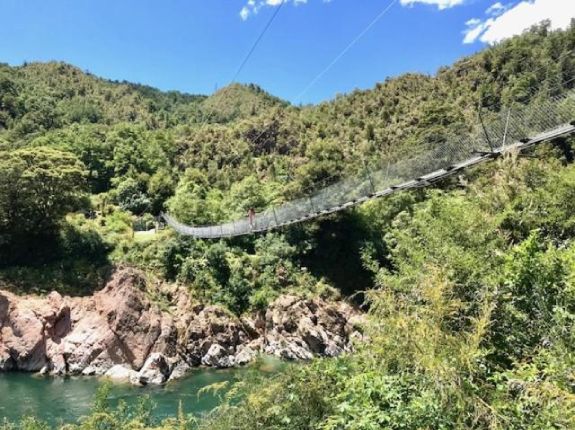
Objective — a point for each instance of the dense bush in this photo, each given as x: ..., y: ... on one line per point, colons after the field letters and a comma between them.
x: 225, y: 273
x: 38, y: 187
x: 466, y: 330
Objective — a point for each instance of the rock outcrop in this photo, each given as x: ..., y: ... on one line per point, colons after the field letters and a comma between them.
x: 119, y: 333
x: 299, y: 329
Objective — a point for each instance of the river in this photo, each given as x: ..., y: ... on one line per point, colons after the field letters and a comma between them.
x: 56, y: 400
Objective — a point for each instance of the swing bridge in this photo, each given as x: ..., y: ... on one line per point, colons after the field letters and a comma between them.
x: 513, y: 128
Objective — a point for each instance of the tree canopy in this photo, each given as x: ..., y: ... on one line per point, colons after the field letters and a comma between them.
x: 38, y: 187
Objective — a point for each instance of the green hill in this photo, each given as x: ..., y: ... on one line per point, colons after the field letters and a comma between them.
x: 38, y: 97
x: 238, y: 101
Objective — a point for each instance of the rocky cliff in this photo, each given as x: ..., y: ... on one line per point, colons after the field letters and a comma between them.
x: 121, y: 333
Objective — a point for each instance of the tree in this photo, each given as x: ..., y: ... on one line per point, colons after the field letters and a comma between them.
x: 9, y: 106
x: 89, y: 144
x: 160, y: 188
x: 38, y: 187
x: 325, y: 163
x: 244, y: 195
x: 192, y: 202
x: 131, y: 197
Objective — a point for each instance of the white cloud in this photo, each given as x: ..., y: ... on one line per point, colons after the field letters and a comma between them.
x: 252, y: 7
x: 507, y: 21
x: 441, y: 4
x: 474, y: 29
x: 495, y: 9
x: 244, y: 13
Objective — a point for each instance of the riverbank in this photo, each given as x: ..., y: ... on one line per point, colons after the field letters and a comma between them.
x: 124, y: 333
x: 73, y: 397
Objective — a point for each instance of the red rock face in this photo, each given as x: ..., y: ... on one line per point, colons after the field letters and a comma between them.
x: 119, y: 331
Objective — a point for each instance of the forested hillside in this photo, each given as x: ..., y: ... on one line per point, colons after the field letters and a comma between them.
x: 208, y: 159
x: 470, y: 285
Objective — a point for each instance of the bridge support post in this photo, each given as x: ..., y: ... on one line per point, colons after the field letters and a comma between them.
x: 311, y: 204
x: 368, y: 173
x: 275, y: 216
x: 386, y: 178
x: 485, y: 129
x: 506, y: 127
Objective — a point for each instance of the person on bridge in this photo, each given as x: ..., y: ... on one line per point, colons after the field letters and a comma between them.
x: 252, y: 217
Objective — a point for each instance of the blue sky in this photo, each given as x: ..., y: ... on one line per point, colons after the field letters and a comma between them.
x: 197, y: 45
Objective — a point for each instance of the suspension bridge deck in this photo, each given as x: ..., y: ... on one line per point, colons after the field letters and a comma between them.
x: 553, y: 117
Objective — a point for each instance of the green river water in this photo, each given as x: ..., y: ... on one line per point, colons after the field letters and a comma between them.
x: 58, y: 400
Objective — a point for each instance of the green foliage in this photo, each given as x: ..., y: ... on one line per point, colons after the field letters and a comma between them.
x: 38, y: 187
x: 161, y: 187
x: 27, y: 423
x: 225, y: 273
x: 466, y: 330
x: 130, y: 196
x: 81, y: 239
x: 238, y: 101
x: 193, y: 202
x: 534, y: 292
x: 326, y: 163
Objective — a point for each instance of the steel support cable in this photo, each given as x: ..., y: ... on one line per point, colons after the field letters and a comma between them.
x: 347, y: 49
x: 253, y: 48
x: 258, y: 40
x: 248, y: 56
x: 532, y: 91
x: 342, y: 53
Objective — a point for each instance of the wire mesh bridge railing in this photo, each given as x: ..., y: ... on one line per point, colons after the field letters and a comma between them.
x: 512, y: 128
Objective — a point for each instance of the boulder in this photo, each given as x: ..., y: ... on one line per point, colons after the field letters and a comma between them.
x: 6, y: 362
x: 291, y: 349
x: 121, y: 373
x: 156, y: 370
x: 134, y: 323
x: 212, y: 326
x: 299, y: 329
x: 180, y: 370
x: 245, y: 355
x: 23, y: 336
x: 218, y: 356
